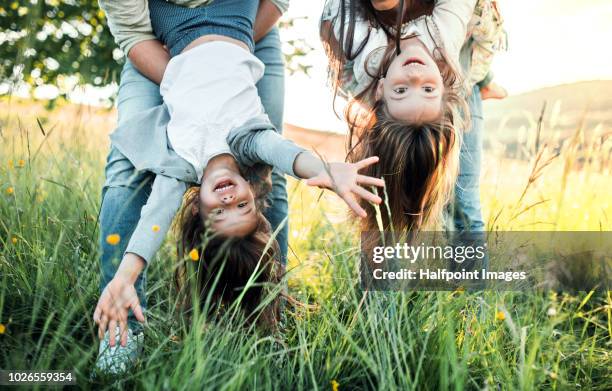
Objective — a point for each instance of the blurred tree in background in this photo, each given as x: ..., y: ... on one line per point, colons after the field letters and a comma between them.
x: 43, y: 41
x: 67, y: 42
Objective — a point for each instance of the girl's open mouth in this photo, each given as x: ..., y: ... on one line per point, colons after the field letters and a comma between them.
x: 223, y: 184
x: 414, y: 60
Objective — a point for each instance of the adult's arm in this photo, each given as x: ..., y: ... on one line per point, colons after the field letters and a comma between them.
x: 150, y: 58
x: 128, y: 21
x: 130, y: 24
x: 268, y: 13
x: 487, y: 37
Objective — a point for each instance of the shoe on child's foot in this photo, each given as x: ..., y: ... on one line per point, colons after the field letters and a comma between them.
x: 493, y: 91
x: 118, y: 359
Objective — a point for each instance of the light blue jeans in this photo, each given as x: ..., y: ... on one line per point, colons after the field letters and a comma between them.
x: 466, y: 212
x: 126, y: 190
x: 468, y: 226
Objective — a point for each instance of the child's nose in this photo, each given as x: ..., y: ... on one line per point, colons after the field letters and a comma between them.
x: 227, y: 198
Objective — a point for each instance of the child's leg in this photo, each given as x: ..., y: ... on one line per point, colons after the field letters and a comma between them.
x: 271, y: 90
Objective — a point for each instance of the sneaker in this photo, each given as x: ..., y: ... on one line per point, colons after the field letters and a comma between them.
x: 493, y: 91
x: 119, y: 359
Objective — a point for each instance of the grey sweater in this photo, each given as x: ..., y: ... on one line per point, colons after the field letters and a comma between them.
x: 143, y: 140
x: 129, y: 20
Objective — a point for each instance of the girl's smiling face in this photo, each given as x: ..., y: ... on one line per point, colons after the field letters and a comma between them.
x: 412, y: 88
x: 227, y: 200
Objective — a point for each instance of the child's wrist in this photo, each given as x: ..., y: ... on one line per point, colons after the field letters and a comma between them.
x: 307, y: 165
x: 130, y: 268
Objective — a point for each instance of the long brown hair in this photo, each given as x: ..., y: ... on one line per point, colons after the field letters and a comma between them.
x: 419, y: 162
x: 226, y: 265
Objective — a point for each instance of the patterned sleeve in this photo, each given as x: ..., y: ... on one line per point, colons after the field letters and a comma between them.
x: 487, y: 37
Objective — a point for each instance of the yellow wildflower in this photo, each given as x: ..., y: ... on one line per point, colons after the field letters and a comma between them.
x: 2, y: 328
x: 553, y: 375
x: 335, y: 385
x: 10, y: 190
x: 155, y: 228
x: 194, y: 255
x: 14, y: 240
x: 14, y: 5
x: 10, y: 164
x: 113, y: 239
x: 500, y: 315
x: 21, y: 163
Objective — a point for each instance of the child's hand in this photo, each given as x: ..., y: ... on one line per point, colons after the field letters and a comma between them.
x: 118, y: 298
x: 112, y: 309
x: 344, y: 179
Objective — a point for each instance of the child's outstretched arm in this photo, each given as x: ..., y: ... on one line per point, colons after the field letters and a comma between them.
x: 120, y: 296
x: 267, y: 146
x: 342, y: 178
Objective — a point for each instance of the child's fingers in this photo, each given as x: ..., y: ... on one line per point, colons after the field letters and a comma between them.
x: 96, y: 315
x: 112, y: 331
x: 137, y: 310
x: 366, y: 195
x: 123, y: 331
x: 354, y: 205
x: 366, y: 162
x: 370, y: 181
x: 102, y: 326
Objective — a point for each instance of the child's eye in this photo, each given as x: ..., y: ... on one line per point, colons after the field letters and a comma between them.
x: 400, y: 90
x: 428, y: 89
x: 243, y: 204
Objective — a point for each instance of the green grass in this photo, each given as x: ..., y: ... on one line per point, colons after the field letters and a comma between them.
x: 439, y: 340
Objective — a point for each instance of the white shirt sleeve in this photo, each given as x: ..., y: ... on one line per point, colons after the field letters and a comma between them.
x: 452, y: 18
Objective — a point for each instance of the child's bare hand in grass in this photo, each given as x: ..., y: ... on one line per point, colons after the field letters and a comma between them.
x: 344, y: 179
x: 118, y: 298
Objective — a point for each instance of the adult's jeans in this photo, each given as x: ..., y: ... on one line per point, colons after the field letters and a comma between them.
x: 466, y: 211
x: 468, y: 226
x: 126, y: 190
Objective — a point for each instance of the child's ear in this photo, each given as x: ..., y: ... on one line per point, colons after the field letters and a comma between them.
x: 195, y: 210
x: 379, y: 89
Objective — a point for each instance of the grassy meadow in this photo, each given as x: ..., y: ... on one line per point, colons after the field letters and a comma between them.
x: 51, y: 172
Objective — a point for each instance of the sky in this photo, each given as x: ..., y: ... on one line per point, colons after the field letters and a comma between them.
x: 551, y: 42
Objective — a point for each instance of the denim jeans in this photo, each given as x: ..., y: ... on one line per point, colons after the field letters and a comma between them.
x: 126, y: 190
x: 466, y: 212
